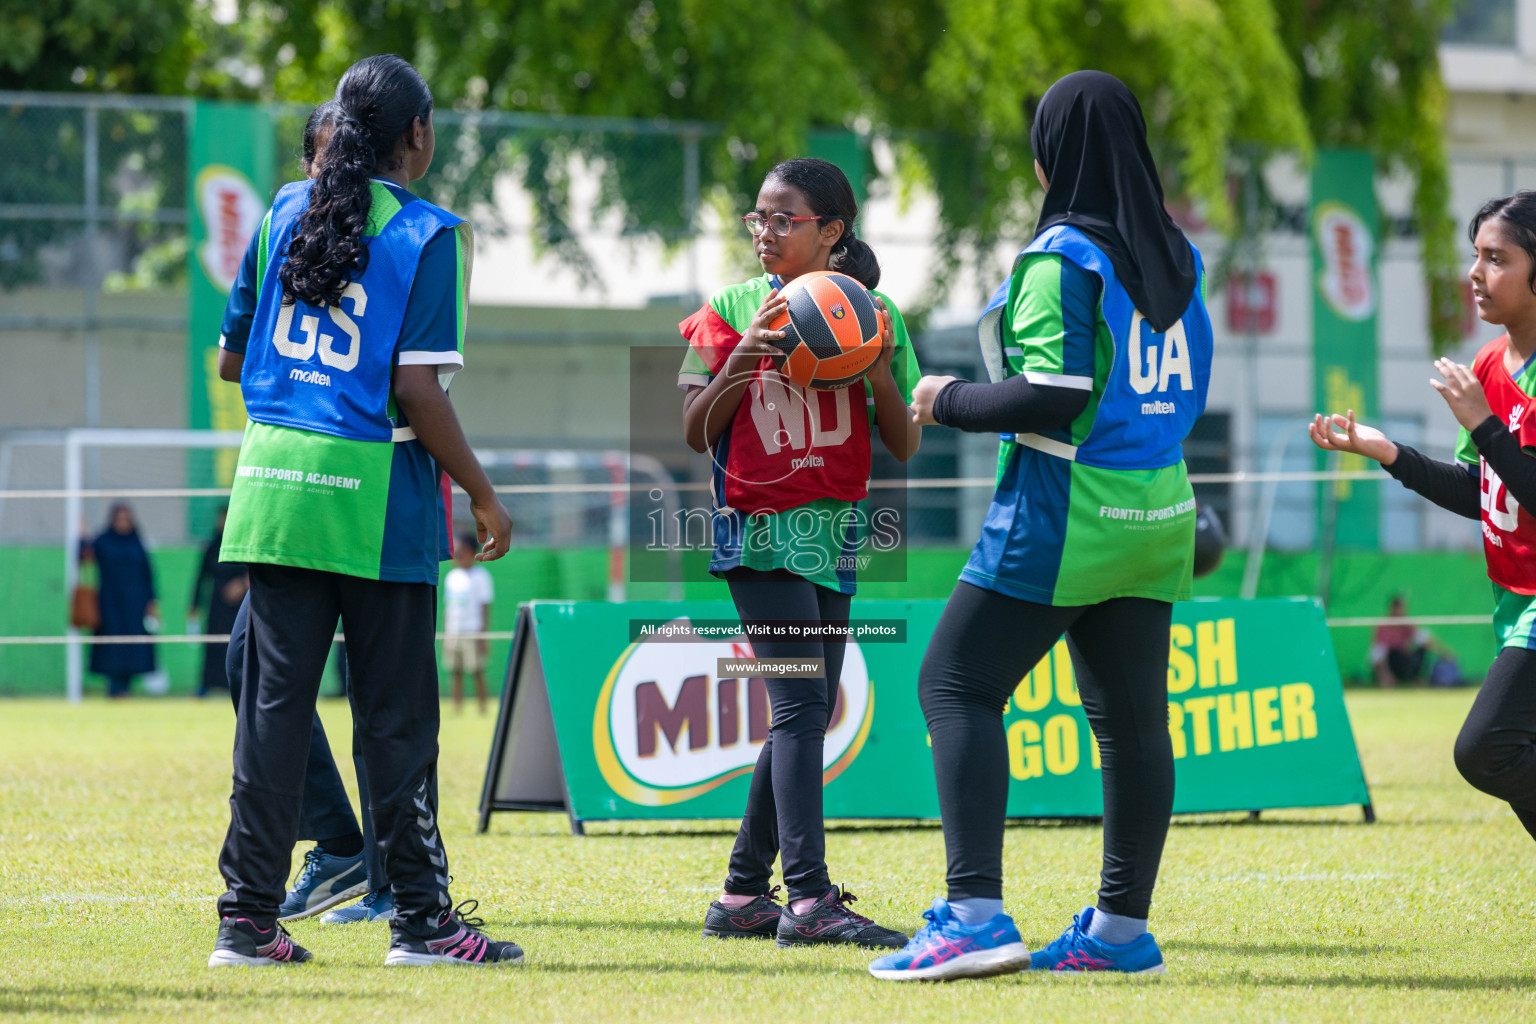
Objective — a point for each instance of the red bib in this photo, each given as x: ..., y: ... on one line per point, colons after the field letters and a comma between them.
x: 786, y: 445
x: 1509, y: 531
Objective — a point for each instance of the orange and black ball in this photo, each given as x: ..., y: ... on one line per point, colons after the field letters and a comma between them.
x: 831, y: 331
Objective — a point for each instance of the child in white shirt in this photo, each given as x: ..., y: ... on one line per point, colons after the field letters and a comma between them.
x: 467, y: 595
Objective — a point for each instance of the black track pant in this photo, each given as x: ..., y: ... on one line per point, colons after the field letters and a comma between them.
x: 784, y: 803
x: 1496, y: 750
x: 389, y: 628
x: 326, y: 810
x: 984, y: 644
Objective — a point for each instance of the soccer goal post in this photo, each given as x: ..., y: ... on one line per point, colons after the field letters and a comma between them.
x: 61, y: 485
x: 76, y: 445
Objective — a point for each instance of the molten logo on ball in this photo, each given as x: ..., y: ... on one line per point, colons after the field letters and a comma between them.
x: 665, y: 730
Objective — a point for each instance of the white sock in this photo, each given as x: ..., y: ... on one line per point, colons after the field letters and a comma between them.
x: 975, y: 911
x: 1114, y: 929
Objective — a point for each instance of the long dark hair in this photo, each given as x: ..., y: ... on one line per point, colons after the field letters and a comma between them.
x: 1518, y: 212
x: 830, y: 197
x: 321, y: 118
x: 377, y: 101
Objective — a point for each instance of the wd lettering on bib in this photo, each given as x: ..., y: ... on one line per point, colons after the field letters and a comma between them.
x: 1509, y: 531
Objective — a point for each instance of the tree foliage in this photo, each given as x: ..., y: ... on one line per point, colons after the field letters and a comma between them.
x: 951, y: 82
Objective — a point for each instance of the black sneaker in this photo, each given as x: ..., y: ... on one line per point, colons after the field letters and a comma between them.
x: 756, y: 920
x: 242, y: 944
x: 830, y: 920
x: 457, y: 941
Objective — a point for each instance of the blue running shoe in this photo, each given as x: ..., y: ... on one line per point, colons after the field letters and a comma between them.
x: 944, y: 948
x: 1078, y: 951
x: 378, y: 905
x: 323, y: 882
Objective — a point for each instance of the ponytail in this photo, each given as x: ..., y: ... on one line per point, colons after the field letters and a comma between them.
x: 854, y: 257
x: 377, y: 101
x: 830, y: 197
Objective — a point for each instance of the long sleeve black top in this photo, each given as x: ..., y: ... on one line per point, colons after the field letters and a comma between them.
x: 1455, y: 486
x: 1012, y: 406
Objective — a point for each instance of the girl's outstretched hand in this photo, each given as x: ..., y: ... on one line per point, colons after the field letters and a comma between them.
x: 1337, y: 433
x: 1463, y: 392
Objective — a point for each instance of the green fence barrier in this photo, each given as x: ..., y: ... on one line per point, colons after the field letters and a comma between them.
x: 1436, y: 583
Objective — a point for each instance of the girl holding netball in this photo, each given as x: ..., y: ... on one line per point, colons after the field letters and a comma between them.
x: 336, y: 507
x: 786, y: 531
x: 1492, y: 479
x: 1100, y: 346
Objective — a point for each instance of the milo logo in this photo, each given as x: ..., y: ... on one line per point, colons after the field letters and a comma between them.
x: 666, y: 730
x: 1347, y: 249
x: 232, y: 212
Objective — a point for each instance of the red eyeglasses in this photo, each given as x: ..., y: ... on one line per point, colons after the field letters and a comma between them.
x: 778, y: 223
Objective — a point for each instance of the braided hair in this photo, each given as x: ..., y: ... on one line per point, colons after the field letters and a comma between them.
x: 378, y: 100
x: 830, y: 197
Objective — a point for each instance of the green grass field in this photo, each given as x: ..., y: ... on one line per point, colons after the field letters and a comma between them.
x: 111, y: 817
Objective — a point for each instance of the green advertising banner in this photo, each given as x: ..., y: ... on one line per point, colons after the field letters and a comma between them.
x: 1345, y: 297
x: 631, y: 711
x: 229, y: 168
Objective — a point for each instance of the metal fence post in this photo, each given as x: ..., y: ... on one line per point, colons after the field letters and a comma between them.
x: 92, y: 275
x: 691, y: 211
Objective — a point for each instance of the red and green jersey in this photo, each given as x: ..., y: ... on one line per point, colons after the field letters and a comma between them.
x: 1509, y: 531
x: 793, y: 462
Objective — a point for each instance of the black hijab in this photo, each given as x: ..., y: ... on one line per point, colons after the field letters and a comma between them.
x: 1091, y: 138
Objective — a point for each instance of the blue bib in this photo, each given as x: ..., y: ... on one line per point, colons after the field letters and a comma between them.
x: 327, y: 368
x: 1157, y: 383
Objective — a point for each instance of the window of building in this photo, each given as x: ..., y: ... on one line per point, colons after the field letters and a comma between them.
x: 1481, y: 23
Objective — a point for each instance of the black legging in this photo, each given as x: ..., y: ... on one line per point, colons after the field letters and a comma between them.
x: 783, y: 812
x: 984, y: 644
x: 1496, y: 751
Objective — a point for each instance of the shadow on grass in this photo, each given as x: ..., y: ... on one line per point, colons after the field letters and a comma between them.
x: 627, y: 926
x: 634, y: 830
x: 1287, y: 948
x: 1415, y: 982
x: 96, y: 1000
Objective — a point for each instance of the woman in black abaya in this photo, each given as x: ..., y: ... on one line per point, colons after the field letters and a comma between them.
x: 128, y: 604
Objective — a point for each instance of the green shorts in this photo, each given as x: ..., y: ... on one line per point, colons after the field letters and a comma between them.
x: 1514, y: 618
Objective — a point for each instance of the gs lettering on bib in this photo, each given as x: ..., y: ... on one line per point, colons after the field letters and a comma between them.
x: 1509, y: 531
x: 786, y: 445
x: 327, y: 368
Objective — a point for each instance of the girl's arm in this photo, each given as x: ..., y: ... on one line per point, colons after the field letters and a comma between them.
x: 707, y: 411
x: 1503, y: 452
x: 1053, y: 319
x: 1451, y: 487
x: 431, y: 416
x: 899, y: 431
x: 1013, y: 406
x: 1454, y: 486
